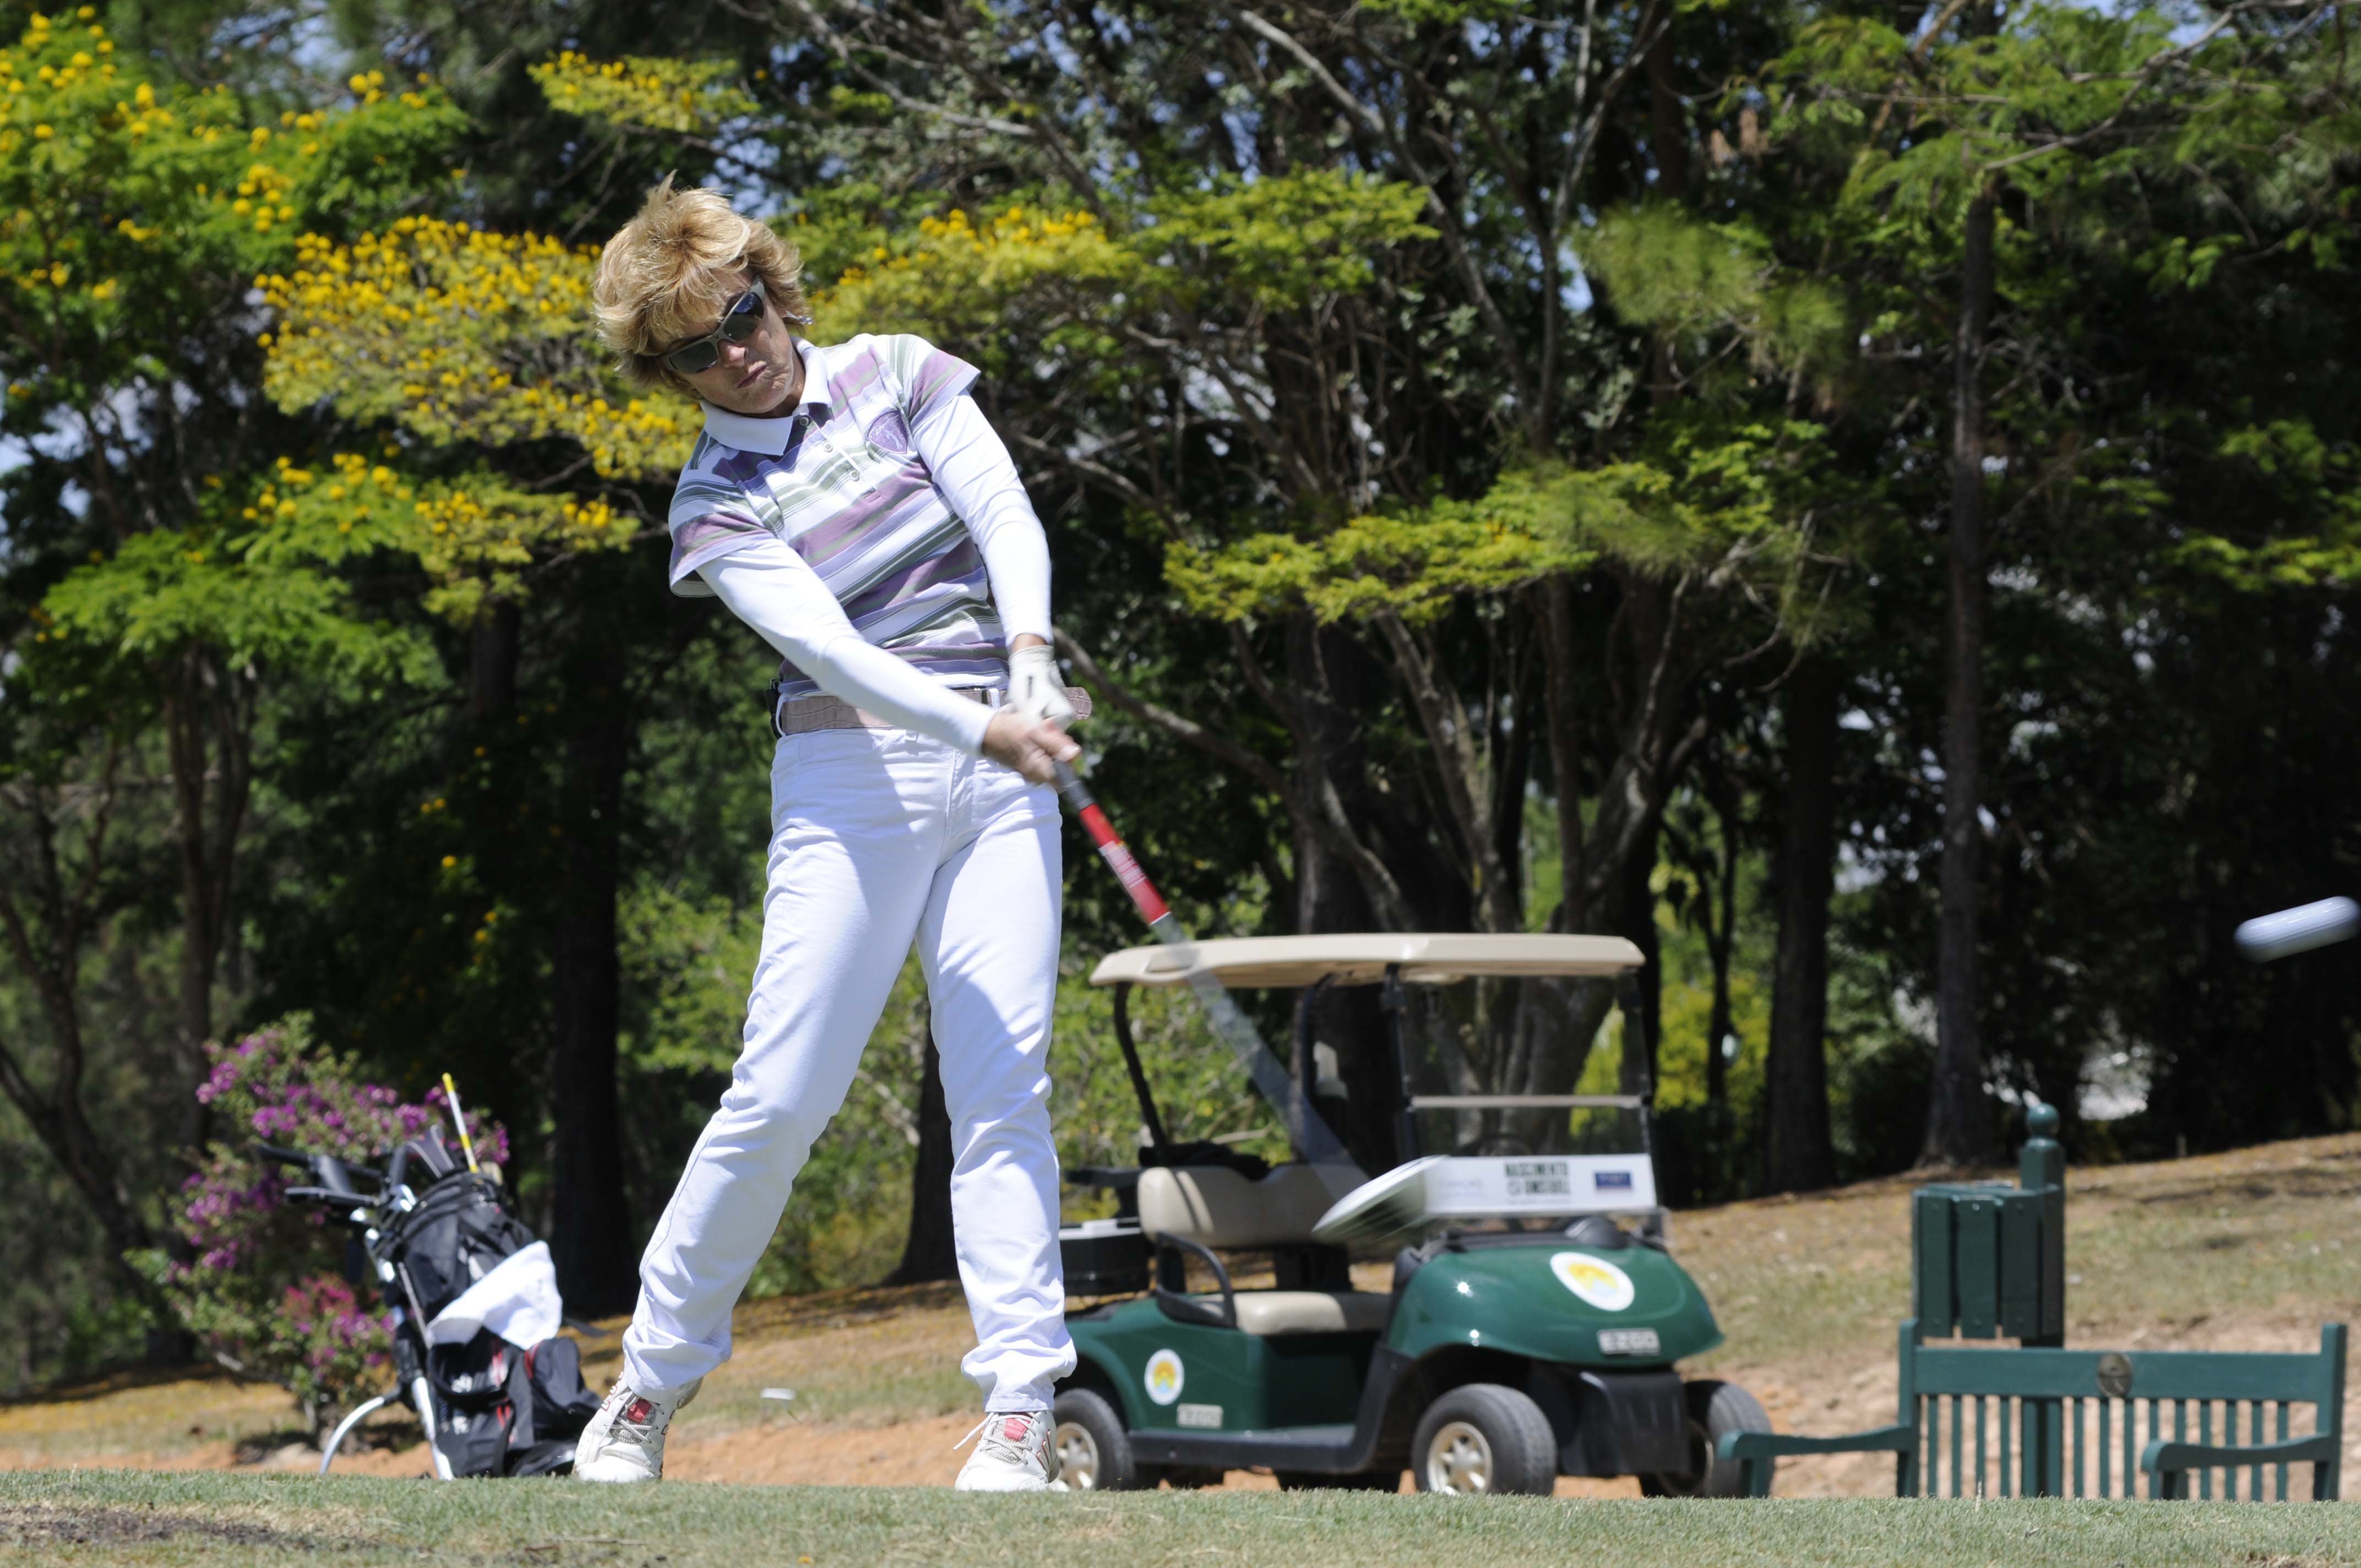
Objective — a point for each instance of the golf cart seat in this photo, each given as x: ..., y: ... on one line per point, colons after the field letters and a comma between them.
x: 1216, y: 1207
x: 1198, y: 1208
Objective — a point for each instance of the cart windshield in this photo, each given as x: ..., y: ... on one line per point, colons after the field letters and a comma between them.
x: 1489, y: 1067
x: 1467, y: 1130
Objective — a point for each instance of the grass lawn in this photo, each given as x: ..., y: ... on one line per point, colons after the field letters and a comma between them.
x: 2246, y: 1250
x: 148, y: 1518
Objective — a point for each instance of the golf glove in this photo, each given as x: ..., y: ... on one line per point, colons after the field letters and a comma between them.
x: 1035, y: 690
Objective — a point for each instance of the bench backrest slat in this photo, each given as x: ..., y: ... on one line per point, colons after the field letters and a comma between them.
x: 2157, y: 1373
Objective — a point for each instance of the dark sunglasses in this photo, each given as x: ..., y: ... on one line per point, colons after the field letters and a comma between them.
x: 738, y: 324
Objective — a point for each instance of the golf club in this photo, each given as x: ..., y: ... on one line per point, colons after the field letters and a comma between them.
x: 1310, y: 1132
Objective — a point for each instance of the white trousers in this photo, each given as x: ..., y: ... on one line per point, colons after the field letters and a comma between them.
x: 879, y: 837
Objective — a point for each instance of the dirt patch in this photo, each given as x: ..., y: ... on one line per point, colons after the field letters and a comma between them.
x: 31, y: 1525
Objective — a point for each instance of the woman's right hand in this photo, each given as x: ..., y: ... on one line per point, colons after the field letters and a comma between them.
x: 1032, y: 747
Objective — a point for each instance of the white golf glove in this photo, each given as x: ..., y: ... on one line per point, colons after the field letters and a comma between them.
x: 1035, y: 689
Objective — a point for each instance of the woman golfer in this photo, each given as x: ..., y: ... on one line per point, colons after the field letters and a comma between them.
x: 852, y: 506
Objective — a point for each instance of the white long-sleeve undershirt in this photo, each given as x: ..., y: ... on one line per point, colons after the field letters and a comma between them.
x: 775, y: 591
x: 972, y: 468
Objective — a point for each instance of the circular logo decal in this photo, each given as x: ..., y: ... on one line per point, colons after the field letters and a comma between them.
x: 1163, y: 1377
x: 1594, y: 1279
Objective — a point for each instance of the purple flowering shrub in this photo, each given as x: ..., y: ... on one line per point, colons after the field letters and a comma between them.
x: 265, y: 1290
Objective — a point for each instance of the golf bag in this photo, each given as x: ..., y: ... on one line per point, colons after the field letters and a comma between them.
x: 463, y: 1279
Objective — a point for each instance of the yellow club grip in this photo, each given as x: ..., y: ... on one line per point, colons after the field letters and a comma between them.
x: 458, y: 1118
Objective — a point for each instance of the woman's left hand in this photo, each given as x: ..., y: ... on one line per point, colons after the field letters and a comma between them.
x: 1035, y: 687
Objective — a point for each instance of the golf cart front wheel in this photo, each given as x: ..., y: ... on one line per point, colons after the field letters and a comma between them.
x: 1715, y: 1409
x: 1484, y: 1438
x: 1093, y: 1451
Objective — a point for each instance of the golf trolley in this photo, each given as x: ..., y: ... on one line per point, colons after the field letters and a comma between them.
x: 1526, y: 1333
x: 471, y: 1299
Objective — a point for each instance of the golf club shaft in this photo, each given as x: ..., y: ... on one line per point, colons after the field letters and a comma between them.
x: 459, y: 1120
x: 1305, y: 1126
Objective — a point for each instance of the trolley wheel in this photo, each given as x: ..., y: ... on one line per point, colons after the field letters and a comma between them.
x: 1484, y: 1438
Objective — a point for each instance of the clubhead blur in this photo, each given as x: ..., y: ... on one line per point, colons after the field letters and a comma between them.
x: 2299, y: 930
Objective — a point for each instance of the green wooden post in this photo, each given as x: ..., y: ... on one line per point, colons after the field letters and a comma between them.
x: 1906, y: 1463
x: 1976, y: 1268
x: 2329, y: 1416
x: 2041, y: 1167
x: 1934, y: 1296
x: 2036, y: 1297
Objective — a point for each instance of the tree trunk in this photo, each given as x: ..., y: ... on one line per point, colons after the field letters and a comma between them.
x: 1562, y: 712
x: 47, y: 918
x: 929, y: 1253
x: 208, y: 717
x: 590, y: 1237
x: 492, y: 646
x: 1639, y: 1068
x: 1959, y: 1129
x: 1326, y: 673
x: 1796, y: 1156
x: 1721, y: 940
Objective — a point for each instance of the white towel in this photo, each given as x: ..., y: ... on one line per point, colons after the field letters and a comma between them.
x: 518, y: 1300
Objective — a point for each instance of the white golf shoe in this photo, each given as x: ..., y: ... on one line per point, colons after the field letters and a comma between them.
x: 1013, y: 1455
x: 625, y: 1441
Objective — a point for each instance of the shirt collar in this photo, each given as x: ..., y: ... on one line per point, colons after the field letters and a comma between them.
x: 771, y: 433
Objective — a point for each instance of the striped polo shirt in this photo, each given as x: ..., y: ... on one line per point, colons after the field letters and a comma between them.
x: 840, y: 482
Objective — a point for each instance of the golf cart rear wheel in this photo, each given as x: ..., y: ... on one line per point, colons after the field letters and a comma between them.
x: 1715, y: 1409
x: 1093, y: 1451
x: 1484, y: 1438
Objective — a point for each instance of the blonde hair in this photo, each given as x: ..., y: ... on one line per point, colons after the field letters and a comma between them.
x: 669, y: 271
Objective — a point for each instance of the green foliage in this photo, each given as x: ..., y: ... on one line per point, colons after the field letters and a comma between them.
x: 969, y: 283
x: 1283, y: 242
x: 2312, y: 479
x: 165, y: 593
x: 1414, y: 563
x: 1697, y: 281
x: 1713, y: 491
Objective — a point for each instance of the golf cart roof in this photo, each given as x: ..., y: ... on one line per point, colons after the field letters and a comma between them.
x: 1426, y: 959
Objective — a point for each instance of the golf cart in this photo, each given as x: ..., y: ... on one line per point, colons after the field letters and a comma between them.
x: 1527, y: 1333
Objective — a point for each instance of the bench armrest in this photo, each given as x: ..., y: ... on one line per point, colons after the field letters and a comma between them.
x: 1755, y: 1451
x: 2167, y: 1464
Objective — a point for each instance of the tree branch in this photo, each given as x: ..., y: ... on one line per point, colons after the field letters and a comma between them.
x: 1221, y: 748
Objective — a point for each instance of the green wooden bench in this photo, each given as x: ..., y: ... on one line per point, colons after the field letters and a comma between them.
x: 2039, y: 1421
x: 2051, y: 1422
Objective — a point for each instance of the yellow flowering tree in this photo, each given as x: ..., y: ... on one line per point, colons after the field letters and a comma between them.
x: 147, y: 611
x: 468, y: 343
x: 686, y: 97
x: 462, y: 337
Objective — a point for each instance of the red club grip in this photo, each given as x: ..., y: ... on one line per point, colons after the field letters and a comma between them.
x: 1134, y: 882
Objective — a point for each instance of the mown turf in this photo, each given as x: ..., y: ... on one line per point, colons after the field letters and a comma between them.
x: 147, y: 1517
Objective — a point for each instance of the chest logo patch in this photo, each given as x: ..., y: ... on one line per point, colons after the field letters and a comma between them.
x: 1594, y: 1279
x: 1163, y: 1377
